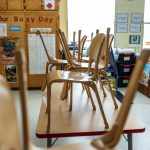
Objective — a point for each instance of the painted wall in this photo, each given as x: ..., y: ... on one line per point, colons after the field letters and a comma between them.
x: 129, y: 7
x: 63, y: 16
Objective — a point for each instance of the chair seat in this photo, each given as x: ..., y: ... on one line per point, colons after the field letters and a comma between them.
x: 59, y: 61
x: 61, y: 75
x: 85, y: 65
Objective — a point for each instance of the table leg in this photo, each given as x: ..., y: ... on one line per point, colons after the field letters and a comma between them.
x: 129, y: 135
x: 49, y: 142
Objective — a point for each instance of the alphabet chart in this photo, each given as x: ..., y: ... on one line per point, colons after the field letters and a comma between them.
x: 37, y: 55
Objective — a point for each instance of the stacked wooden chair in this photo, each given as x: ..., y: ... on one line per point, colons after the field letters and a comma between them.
x: 86, y: 78
x: 51, y: 61
x: 59, y: 62
x: 83, y: 67
x: 9, y: 132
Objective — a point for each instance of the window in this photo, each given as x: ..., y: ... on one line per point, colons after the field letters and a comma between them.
x: 89, y: 15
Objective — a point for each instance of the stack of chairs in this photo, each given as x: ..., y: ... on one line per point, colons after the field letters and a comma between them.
x: 9, y: 132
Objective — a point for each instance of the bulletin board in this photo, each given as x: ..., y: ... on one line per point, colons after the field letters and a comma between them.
x: 21, y: 26
x: 47, y: 23
x: 12, y: 35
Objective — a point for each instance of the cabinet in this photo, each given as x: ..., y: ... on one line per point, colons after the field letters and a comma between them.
x: 3, y: 5
x: 15, y: 4
x: 29, y: 5
x: 124, y: 66
x: 37, y: 4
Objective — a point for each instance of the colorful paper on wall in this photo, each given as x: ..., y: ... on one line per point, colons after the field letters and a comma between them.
x: 49, y: 4
x: 7, y: 48
x: 10, y: 73
x: 3, y: 29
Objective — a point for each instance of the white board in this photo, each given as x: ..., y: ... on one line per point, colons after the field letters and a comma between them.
x: 37, y: 55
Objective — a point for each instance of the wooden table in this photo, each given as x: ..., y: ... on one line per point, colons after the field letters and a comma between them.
x: 82, y: 121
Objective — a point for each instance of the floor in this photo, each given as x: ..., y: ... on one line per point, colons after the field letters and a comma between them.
x: 140, y: 108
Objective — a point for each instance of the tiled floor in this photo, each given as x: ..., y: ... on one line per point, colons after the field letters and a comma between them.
x: 140, y: 108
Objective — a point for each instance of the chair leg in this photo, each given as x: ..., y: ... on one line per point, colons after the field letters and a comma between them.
x: 45, y: 79
x: 83, y: 86
x: 90, y: 96
x: 101, y: 86
x: 64, y: 92
x: 71, y: 96
x: 48, y: 108
x: 93, y: 86
x: 110, y: 89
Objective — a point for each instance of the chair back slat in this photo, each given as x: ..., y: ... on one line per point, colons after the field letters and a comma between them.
x: 105, y: 52
x: 79, y: 40
x: 9, y: 133
x: 82, y: 43
x: 91, y: 36
x: 95, y: 50
x: 60, y: 36
x: 45, y: 48
x: 64, y: 44
x: 74, y: 43
x: 97, y: 31
x: 22, y: 81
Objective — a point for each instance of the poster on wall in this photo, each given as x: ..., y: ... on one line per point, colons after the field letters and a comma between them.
x: 7, y: 48
x: 121, y: 27
x: 122, y: 17
x: 37, y: 55
x: 49, y: 4
x: 10, y: 73
x: 135, y: 27
x: 7, y: 52
x: 3, y: 29
x: 136, y: 17
x: 134, y: 39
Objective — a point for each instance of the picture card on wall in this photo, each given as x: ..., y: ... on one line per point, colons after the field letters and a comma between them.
x: 121, y: 27
x: 49, y: 4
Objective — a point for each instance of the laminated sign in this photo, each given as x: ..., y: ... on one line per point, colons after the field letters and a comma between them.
x: 50, y: 4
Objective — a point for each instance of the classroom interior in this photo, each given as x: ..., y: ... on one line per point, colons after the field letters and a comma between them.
x: 58, y: 39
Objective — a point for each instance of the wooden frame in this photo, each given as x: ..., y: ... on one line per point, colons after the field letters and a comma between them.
x: 3, y: 5
x: 15, y: 4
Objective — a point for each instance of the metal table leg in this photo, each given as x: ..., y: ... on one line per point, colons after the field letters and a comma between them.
x: 49, y: 142
x: 130, y: 146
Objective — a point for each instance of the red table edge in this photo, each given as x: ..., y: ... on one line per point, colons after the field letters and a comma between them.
x: 86, y: 133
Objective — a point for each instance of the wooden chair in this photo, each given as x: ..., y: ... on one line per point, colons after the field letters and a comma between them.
x: 103, y: 63
x: 81, y: 44
x: 85, y: 78
x: 51, y: 61
x: 72, y: 65
x: 9, y: 132
x: 111, y: 138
